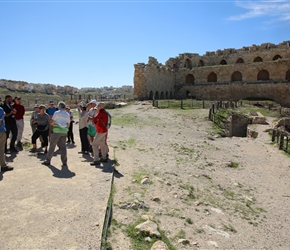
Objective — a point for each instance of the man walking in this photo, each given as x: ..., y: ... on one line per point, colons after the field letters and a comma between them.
x: 60, y: 123
x: 3, y: 164
x: 101, y: 121
x: 20, y: 111
x: 10, y: 124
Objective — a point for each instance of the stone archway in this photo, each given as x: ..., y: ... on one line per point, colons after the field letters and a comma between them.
x: 189, y: 79
x: 166, y: 95
x: 223, y: 62
x: 162, y: 95
x: 276, y: 57
x: 236, y: 76
x: 258, y: 59
x: 151, y: 95
x: 156, y: 97
x: 263, y: 75
x: 187, y: 64
x: 200, y: 63
x: 212, y: 77
x: 288, y: 75
x: 240, y: 60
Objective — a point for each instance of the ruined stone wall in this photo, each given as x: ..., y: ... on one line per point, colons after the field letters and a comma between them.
x: 153, y: 80
x: 231, y: 74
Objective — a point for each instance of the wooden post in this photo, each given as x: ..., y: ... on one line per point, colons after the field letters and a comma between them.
x: 273, y: 135
x: 281, y: 143
x: 210, y: 113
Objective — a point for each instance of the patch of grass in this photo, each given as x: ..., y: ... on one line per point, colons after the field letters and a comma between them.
x: 129, y: 143
x: 180, y: 235
x: 199, y: 230
x: 233, y: 165
x: 189, y: 220
x: 190, y: 189
x: 140, y: 175
x: 229, y: 228
x: 137, y: 238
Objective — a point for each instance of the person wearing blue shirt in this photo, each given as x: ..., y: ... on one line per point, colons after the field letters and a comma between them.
x: 4, y: 166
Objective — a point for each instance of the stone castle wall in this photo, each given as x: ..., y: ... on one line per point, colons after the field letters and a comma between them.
x: 251, y: 72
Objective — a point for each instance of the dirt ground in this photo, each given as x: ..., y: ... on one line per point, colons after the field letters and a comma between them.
x: 226, y: 193
x: 50, y: 207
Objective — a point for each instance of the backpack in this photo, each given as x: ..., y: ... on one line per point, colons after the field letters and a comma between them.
x: 109, y: 120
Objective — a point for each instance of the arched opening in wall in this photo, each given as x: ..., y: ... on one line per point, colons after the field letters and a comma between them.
x: 236, y: 76
x: 200, y: 63
x: 240, y: 60
x: 263, y: 75
x: 212, y: 77
x: 161, y: 95
x: 171, y: 95
x: 223, y: 62
x: 258, y: 59
x: 156, y: 95
x: 277, y: 57
x: 288, y: 75
x: 166, y: 95
x: 189, y: 79
x: 151, y: 95
x: 187, y: 64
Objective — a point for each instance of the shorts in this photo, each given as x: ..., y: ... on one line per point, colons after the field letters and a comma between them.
x: 91, y: 130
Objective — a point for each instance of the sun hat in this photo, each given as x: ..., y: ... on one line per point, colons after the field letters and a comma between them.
x: 93, y: 101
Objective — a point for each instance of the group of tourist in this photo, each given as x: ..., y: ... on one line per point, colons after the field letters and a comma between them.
x: 53, y: 126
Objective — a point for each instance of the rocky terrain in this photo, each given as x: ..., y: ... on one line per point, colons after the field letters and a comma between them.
x: 198, y: 190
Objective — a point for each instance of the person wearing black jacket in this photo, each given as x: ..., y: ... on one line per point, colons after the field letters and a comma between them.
x: 10, y: 124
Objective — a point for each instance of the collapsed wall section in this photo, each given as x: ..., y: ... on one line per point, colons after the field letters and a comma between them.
x: 153, y: 80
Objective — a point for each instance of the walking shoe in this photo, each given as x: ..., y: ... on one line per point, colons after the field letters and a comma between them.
x: 46, y: 163
x: 6, y: 168
x: 95, y: 163
x: 14, y: 150
x: 33, y: 150
x: 103, y: 160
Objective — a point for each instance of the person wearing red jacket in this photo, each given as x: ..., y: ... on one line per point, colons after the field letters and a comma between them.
x: 100, y: 121
x: 19, y: 119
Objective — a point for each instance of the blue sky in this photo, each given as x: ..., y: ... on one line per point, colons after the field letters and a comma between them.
x: 97, y: 43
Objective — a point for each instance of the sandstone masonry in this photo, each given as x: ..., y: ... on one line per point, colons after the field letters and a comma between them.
x: 225, y: 75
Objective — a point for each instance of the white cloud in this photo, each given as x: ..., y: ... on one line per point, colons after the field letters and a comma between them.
x: 276, y: 10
